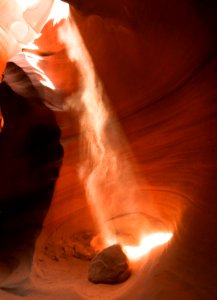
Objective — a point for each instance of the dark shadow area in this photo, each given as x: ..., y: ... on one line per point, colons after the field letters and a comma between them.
x: 208, y: 12
x: 30, y: 159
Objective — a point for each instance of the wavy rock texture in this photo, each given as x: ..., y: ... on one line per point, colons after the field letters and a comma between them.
x: 157, y: 63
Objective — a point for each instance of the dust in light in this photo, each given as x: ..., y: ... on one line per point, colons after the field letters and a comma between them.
x: 107, y: 175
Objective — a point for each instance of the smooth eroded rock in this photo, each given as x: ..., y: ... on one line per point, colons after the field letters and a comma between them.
x: 109, y: 266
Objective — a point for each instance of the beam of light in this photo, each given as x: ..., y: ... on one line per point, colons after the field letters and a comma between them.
x: 107, y: 175
x: 105, y: 171
x: 147, y: 243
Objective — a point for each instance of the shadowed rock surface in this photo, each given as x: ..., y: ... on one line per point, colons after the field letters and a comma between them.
x: 109, y: 266
x: 30, y: 158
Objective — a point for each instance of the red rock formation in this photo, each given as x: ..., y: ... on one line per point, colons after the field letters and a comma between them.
x: 157, y: 63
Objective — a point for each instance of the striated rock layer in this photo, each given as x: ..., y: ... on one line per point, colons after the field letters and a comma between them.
x: 157, y: 63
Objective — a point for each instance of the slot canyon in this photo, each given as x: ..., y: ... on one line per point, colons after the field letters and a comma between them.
x: 108, y: 136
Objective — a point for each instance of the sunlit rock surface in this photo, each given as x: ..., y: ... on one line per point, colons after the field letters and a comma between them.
x: 157, y: 63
